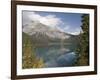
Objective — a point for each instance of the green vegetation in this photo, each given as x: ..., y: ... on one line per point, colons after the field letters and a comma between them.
x: 83, y: 49
x: 29, y: 59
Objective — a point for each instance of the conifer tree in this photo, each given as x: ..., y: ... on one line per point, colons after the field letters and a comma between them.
x: 83, y: 49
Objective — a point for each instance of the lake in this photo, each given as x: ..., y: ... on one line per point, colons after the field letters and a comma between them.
x: 56, y: 55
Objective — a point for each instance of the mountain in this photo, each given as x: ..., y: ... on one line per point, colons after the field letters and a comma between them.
x: 41, y: 33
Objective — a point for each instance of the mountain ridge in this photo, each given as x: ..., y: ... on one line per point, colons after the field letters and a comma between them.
x: 36, y: 28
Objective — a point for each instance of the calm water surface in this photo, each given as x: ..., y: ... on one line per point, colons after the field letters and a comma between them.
x: 56, y: 55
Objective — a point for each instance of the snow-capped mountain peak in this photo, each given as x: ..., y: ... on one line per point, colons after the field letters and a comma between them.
x: 36, y: 28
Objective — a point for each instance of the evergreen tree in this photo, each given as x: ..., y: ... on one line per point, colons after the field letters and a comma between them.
x: 83, y: 49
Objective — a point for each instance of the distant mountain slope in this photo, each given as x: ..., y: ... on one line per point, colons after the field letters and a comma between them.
x: 41, y: 33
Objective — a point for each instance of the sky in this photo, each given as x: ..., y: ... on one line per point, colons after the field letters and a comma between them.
x: 66, y: 22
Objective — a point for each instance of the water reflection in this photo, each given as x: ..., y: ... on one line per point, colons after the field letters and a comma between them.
x: 55, y: 56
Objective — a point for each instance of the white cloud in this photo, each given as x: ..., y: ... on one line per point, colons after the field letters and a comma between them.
x: 26, y: 17
x: 67, y: 28
x: 50, y: 20
x: 74, y: 31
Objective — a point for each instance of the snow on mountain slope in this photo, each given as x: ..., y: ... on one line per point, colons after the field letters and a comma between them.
x: 37, y: 29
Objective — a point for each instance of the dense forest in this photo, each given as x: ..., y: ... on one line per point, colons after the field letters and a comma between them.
x: 83, y: 48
